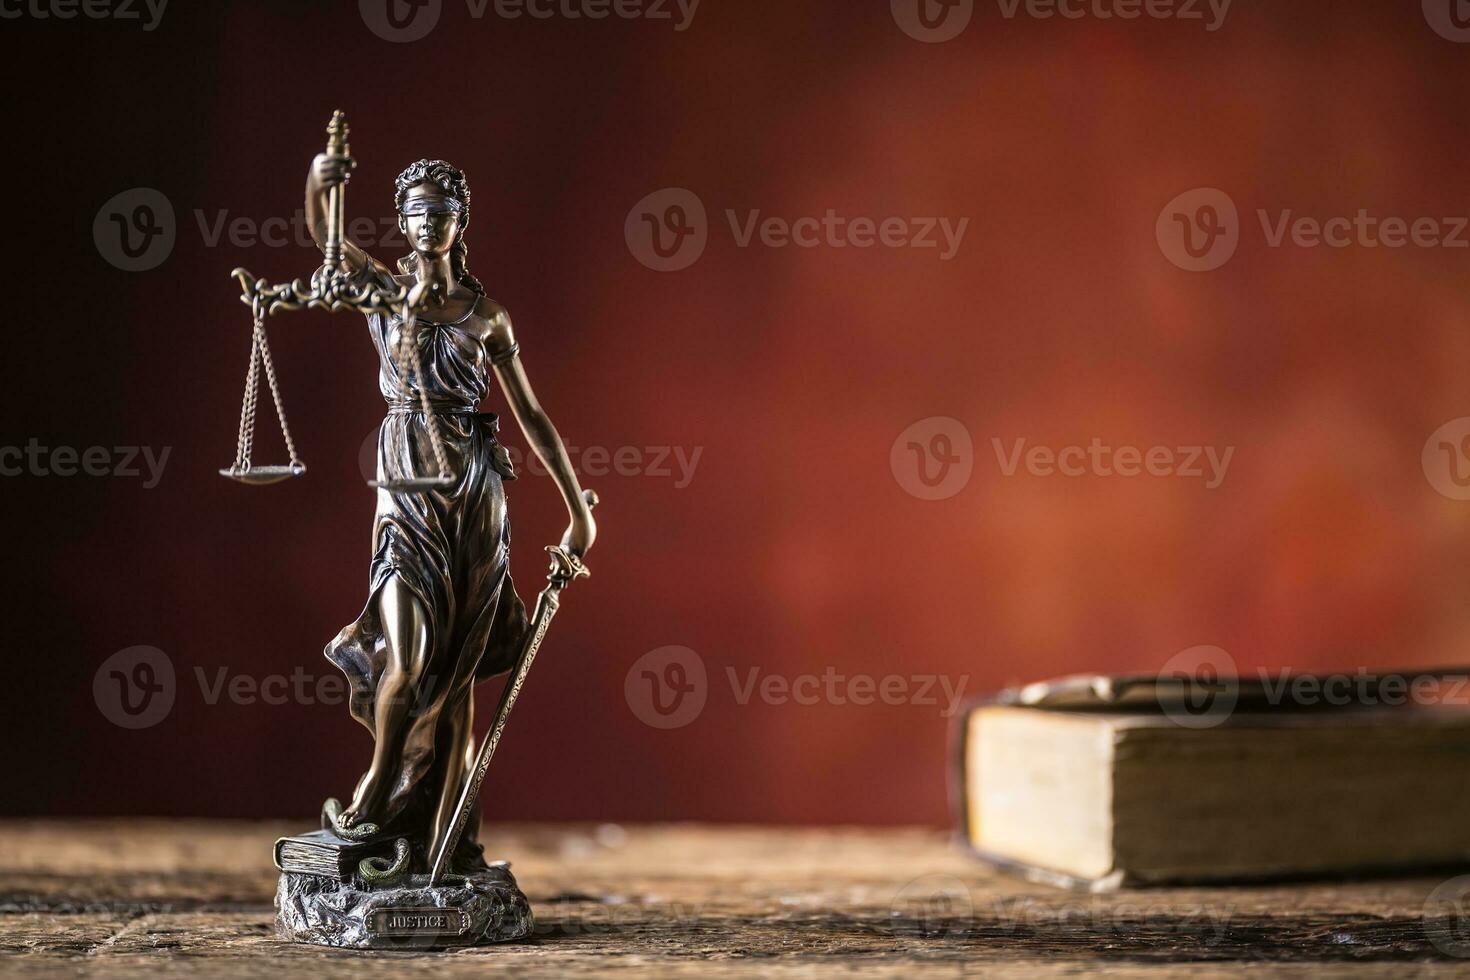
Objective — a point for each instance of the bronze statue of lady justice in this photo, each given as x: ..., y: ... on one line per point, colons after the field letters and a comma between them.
x: 400, y: 863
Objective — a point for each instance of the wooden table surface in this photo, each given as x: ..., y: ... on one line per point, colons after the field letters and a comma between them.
x: 162, y: 899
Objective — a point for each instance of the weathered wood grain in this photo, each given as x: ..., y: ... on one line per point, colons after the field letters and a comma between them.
x: 161, y: 899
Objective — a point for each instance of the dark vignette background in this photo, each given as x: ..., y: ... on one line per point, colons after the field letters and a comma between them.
x: 794, y: 548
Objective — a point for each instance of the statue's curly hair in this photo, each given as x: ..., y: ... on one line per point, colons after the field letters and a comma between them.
x: 451, y: 181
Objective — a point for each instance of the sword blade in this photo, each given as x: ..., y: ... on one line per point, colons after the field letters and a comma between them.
x: 547, y: 604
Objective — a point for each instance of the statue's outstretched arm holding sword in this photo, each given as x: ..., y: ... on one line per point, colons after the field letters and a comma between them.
x: 566, y: 564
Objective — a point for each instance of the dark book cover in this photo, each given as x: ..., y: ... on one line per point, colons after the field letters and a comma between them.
x: 321, y: 853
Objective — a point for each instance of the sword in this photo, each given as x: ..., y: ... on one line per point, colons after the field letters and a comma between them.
x: 566, y: 568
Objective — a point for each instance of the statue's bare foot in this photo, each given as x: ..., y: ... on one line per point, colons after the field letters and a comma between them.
x: 352, y: 824
x: 364, y: 801
x: 350, y: 818
x: 357, y: 815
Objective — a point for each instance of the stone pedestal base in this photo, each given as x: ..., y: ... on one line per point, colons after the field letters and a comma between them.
x: 485, y: 907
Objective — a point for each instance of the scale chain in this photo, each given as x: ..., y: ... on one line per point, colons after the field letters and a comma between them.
x: 247, y: 406
x: 270, y: 377
x: 408, y: 356
x: 260, y: 357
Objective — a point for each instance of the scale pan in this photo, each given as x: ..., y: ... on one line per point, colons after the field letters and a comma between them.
x: 409, y: 486
x: 259, y: 476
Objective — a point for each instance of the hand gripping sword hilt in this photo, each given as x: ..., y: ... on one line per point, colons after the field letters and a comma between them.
x: 567, y: 567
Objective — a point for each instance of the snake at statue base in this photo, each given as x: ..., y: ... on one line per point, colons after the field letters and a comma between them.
x: 380, y: 872
x: 373, y: 870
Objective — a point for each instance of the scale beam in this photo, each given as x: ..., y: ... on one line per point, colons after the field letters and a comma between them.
x: 329, y: 289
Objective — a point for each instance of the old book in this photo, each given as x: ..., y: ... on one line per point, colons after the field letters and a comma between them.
x: 1102, y: 782
x: 322, y: 853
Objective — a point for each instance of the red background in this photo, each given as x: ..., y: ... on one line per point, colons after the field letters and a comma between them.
x: 794, y: 548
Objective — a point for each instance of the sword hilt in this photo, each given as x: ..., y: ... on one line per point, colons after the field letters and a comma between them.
x: 566, y: 567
